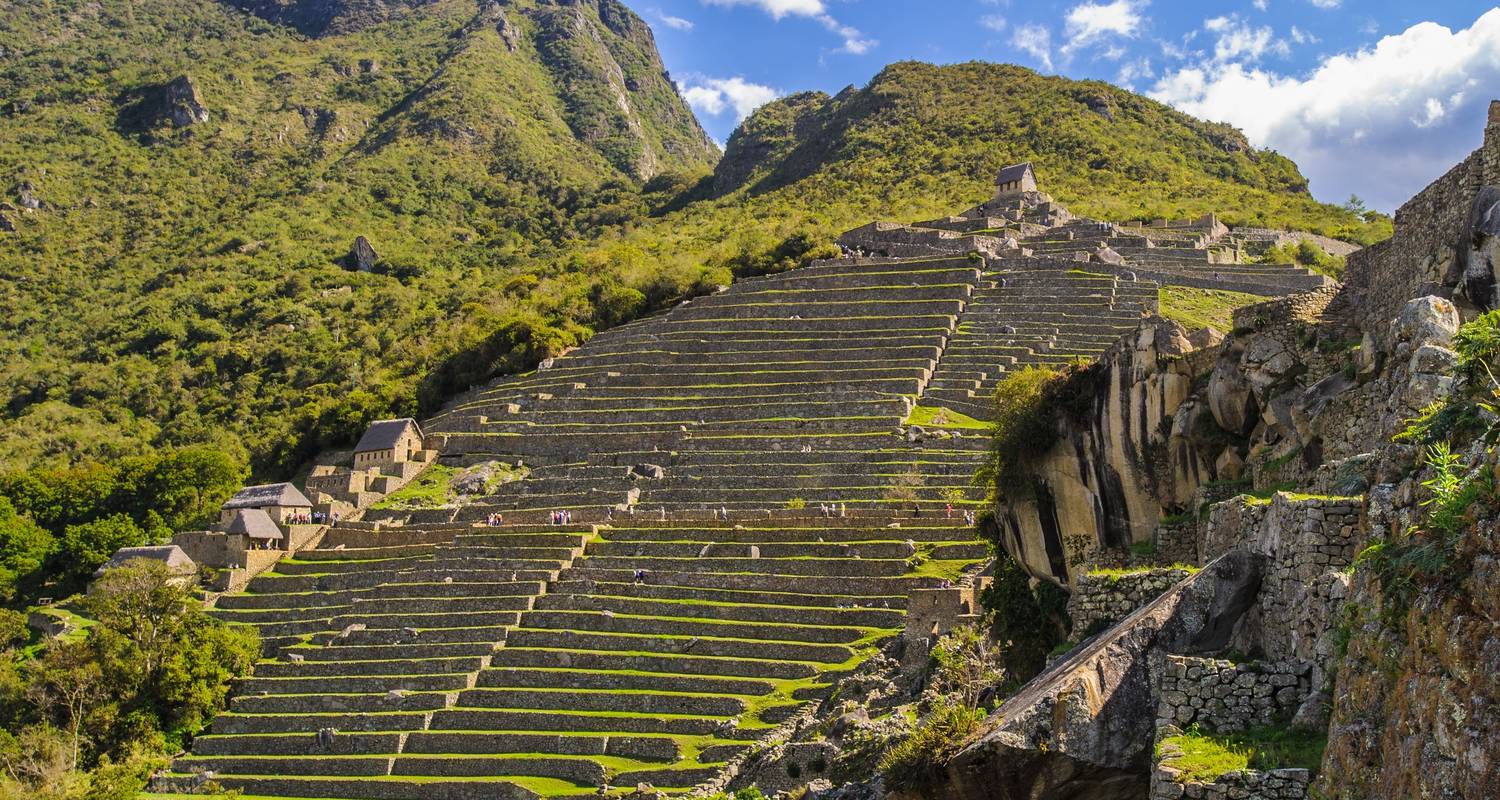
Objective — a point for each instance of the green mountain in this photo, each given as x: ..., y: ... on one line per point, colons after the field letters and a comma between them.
x: 198, y: 177
x: 182, y: 183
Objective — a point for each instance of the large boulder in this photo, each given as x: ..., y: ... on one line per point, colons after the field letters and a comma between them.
x: 1481, y: 252
x: 362, y: 255
x: 1230, y: 398
x: 1427, y: 320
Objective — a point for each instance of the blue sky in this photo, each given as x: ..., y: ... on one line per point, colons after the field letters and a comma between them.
x: 1370, y: 97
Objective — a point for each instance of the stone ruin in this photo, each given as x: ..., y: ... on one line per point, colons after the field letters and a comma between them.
x: 752, y: 513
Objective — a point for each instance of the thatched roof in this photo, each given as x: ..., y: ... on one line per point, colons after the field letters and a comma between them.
x: 267, y: 495
x: 1015, y: 172
x: 170, y: 554
x: 255, y: 523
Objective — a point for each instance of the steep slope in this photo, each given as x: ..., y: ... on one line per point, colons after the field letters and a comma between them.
x: 182, y: 182
x: 194, y: 282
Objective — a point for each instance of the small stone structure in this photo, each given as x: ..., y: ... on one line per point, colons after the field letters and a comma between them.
x: 1015, y: 180
x: 387, y: 442
x: 252, y: 529
x: 388, y: 456
x: 282, y: 501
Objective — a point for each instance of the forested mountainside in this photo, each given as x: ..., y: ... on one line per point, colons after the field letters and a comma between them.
x: 184, y: 183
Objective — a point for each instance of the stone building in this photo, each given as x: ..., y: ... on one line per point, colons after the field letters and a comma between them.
x: 1015, y: 180
x: 182, y: 568
x: 282, y: 501
x: 388, y: 441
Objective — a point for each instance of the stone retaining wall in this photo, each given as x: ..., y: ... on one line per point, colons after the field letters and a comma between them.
x: 1110, y: 597
x: 1222, y: 696
x: 1277, y: 784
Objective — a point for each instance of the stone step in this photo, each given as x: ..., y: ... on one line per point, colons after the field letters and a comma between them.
x: 610, y: 700
x: 327, y: 701
x: 544, y: 656
x: 680, y: 645
x: 584, y: 621
x: 517, y: 677
x: 869, y: 617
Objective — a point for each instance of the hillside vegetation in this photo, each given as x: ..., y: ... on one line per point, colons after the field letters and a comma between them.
x: 526, y: 173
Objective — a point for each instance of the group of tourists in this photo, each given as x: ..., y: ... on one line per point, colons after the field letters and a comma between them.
x: 563, y: 517
x: 309, y: 518
x: 495, y: 520
x: 833, y: 510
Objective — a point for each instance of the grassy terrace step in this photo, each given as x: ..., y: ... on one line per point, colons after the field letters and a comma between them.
x: 582, y: 621
x: 338, y: 703
x: 431, y: 629
x: 475, y: 719
x: 261, y: 693
x: 378, y: 789
x: 820, y: 567
x: 851, y: 586
x: 383, y: 652
x: 685, y: 645
x: 549, y: 657
x: 638, y: 702
x: 576, y: 770
x: 243, y: 724
x: 581, y: 586
x: 520, y: 677
x: 805, y: 615
x: 638, y: 748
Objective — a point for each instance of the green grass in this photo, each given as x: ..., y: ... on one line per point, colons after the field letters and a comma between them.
x: 1203, y: 308
x: 1205, y: 757
x: 933, y: 417
x: 1114, y: 573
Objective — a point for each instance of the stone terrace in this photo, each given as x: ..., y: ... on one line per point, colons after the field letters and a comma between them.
x: 753, y: 506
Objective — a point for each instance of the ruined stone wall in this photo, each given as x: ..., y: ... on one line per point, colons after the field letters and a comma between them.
x: 1276, y: 784
x: 1423, y: 256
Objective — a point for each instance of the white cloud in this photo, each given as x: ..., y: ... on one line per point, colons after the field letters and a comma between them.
x: 1132, y: 71
x: 994, y: 22
x: 778, y: 8
x: 1303, y: 37
x: 1381, y: 122
x: 1261, y: 5
x: 855, y: 42
x: 1089, y: 23
x: 714, y: 96
x: 675, y: 23
x: 1236, y: 39
x: 1326, y: 3
x: 1034, y: 40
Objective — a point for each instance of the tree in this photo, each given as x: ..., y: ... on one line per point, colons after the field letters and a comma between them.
x: 88, y: 546
x: 1029, y: 616
x: 68, y: 683
x: 1354, y: 205
x: 185, y: 486
x: 171, y: 661
x: 24, y: 546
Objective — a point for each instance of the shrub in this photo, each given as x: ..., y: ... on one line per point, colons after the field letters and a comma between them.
x: 1029, y: 405
x: 1029, y: 617
x: 917, y: 762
